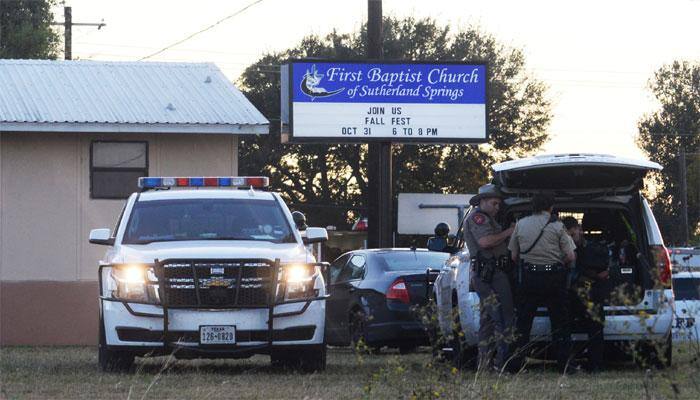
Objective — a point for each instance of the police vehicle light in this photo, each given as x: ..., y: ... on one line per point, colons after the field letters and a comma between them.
x: 299, y: 281
x: 135, y: 282
x: 133, y: 274
x: 153, y: 182
x: 298, y: 273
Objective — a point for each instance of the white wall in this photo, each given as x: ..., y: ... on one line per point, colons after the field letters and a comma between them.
x: 46, y: 212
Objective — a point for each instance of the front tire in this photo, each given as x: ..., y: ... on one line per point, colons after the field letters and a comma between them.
x: 311, y: 359
x: 358, y: 329
x: 463, y: 355
x: 654, y: 354
x: 315, y: 360
x: 667, y: 353
x: 112, y: 360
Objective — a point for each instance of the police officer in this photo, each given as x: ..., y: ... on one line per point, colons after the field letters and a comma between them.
x: 486, y: 241
x: 542, y: 249
x: 441, y: 240
x: 588, y: 288
x: 299, y: 220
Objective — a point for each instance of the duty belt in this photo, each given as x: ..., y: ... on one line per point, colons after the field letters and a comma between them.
x: 503, y: 262
x: 538, y: 268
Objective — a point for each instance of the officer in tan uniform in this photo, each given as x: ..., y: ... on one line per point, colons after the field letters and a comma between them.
x: 542, y: 249
x: 486, y: 241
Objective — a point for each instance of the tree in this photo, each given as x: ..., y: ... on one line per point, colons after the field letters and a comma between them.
x: 663, y: 134
x: 25, y: 29
x: 313, y: 177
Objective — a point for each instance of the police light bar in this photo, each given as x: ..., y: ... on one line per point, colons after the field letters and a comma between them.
x: 153, y: 182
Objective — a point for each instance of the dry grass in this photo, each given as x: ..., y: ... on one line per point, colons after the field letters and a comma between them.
x: 72, y: 373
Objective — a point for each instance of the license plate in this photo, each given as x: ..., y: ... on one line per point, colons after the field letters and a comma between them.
x: 217, y: 334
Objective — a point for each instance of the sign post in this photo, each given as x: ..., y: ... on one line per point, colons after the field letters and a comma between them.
x: 379, y: 165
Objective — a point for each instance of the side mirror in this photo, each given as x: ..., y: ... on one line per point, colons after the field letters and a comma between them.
x: 315, y: 235
x: 101, y: 236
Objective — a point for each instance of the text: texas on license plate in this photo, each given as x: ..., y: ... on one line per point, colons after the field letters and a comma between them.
x: 217, y: 334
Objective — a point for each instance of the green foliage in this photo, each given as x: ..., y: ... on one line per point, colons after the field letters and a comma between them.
x: 25, y: 29
x: 663, y: 133
x: 336, y: 174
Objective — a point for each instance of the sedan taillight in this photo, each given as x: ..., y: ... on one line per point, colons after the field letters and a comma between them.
x: 398, y: 291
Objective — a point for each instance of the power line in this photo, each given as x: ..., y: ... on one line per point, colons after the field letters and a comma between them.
x: 156, y: 47
x: 202, y: 30
x: 68, y: 25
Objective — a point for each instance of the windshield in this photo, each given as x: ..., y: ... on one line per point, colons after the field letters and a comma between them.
x: 207, y: 219
x: 686, y: 288
x: 412, y: 260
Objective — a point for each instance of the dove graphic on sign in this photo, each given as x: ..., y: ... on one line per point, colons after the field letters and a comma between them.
x: 310, y: 85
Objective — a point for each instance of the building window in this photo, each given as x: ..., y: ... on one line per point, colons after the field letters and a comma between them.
x: 115, y: 168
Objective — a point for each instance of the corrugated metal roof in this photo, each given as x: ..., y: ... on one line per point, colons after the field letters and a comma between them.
x: 68, y: 96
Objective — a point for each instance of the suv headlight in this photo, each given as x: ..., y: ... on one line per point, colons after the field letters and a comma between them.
x: 135, y: 282
x: 298, y: 281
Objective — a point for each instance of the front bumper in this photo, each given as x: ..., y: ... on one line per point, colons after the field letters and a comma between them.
x: 294, y: 324
x: 160, y: 329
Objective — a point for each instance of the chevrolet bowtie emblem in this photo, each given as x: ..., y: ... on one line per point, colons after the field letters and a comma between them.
x: 218, y: 283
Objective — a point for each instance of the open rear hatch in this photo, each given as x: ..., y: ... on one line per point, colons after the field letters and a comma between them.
x: 569, y: 174
x: 575, y: 178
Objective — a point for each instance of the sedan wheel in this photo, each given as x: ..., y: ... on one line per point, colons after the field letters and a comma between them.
x: 358, y: 324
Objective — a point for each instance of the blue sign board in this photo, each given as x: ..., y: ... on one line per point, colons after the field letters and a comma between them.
x: 365, y: 101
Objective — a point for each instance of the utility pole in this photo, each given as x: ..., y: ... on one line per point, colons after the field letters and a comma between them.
x: 682, y: 167
x: 68, y: 30
x: 379, y: 174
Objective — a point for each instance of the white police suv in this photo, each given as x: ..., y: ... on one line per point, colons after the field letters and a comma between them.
x: 604, y: 194
x: 686, y: 290
x: 199, y: 268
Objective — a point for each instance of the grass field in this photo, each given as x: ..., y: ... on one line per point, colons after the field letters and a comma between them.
x: 72, y: 373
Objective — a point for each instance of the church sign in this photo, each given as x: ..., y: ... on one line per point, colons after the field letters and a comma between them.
x: 415, y: 102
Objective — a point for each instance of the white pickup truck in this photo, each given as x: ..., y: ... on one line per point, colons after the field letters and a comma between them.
x: 198, y: 268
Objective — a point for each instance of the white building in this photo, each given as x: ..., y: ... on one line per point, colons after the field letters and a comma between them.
x: 74, y: 137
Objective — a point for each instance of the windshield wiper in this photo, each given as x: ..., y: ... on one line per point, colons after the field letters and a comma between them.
x: 150, y: 241
x: 226, y: 238
x: 198, y: 239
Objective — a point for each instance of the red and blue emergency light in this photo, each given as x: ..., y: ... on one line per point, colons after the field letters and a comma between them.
x: 153, y: 182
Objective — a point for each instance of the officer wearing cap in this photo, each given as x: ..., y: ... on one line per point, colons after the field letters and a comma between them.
x: 542, y: 248
x: 486, y: 240
x: 441, y: 240
x: 299, y: 220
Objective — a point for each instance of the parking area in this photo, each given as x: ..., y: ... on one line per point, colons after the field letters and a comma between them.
x: 72, y: 373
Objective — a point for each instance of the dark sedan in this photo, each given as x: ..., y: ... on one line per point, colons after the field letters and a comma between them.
x: 373, y: 295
